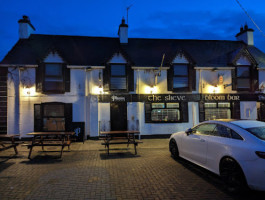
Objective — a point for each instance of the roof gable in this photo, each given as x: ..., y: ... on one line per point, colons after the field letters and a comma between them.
x: 117, y: 58
x: 53, y: 57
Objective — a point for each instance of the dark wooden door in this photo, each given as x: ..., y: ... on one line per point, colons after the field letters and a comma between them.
x: 118, y: 116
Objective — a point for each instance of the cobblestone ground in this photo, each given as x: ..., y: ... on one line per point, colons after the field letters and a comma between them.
x: 88, y: 173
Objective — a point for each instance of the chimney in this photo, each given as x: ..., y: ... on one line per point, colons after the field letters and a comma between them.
x: 123, y: 32
x: 25, y: 27
x: 246, y: 35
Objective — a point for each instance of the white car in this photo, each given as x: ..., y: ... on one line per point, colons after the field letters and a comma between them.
x: 233, y: 149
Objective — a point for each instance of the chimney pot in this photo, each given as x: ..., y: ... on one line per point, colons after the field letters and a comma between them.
x: 123, y: 32
x: 246, y: 35
x: 25, y: 27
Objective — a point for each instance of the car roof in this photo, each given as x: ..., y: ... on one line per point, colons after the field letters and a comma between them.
x: 241, y: 123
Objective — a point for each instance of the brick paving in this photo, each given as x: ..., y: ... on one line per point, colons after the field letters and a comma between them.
x: 88, y: 173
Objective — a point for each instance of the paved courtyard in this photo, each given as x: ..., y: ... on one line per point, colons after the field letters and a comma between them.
x: 88, y: 173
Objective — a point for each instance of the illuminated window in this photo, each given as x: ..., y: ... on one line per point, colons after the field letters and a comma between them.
x: 162, y: 112
x: 217, y: 111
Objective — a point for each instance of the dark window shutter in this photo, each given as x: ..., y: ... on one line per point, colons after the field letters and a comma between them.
x: 234, y: 82
x: 235, y: 110
x: 37, y: 117
x: 68, y: 116
x: 185, y: 111
x: 261, y: 113
x: 193, y: 79
x: 170, y: 74
x: 130, y: 78
x: 148, y: 111
x: 39, y: 77
x: 201, y: 111
x: 106, y: 78
x: 67, y: 76
x: 255, y: 79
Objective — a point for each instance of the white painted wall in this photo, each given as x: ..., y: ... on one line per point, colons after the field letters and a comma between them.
x: 209, y: 79
x: 21, y: 105
x: 248, y: 110
x: 144, y: 79
x: 133, y: 116
x: 262, y: 80
x: 104, y: 116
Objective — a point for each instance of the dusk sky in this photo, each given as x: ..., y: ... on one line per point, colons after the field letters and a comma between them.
x: 186, y: 19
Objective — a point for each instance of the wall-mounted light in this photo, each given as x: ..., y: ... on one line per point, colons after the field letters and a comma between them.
x: 150, y: 89
x: 29, y: 91
x: 227, y: 85
x: 213, y: 89
x: 98, y: 90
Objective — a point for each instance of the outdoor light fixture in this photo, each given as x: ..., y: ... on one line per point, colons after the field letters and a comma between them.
x: 29, y: 91
x: 213, y: 89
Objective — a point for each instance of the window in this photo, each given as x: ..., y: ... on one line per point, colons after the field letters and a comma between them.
x: 180, y: 78
x: 204, y: 129
x: 217, y: 111
x: 243, y: 77
x: 52, y: 116
x: 163, y: 112
x: 118, y: 80
x: 54, y: 77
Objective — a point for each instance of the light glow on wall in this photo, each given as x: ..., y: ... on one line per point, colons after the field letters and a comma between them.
x: 150, y: 90
x: 98, y: 90
x: 213, y: 89
x: 29, y: 91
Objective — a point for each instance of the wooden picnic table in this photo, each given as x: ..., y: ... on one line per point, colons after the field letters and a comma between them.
x: 119, y: 137
x: 8, y: 141
x: 50, y: 139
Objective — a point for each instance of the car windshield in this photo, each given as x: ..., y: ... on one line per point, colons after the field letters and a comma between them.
x: 258, y: 132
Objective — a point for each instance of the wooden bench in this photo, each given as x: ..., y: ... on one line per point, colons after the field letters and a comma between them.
x: 119, y: 137
x: 43, y: 139
x: 7, y: 142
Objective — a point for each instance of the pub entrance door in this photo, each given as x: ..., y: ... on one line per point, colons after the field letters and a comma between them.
x: 118, y: 116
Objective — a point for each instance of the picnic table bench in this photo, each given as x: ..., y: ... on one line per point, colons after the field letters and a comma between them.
x: 8, y: 141
x: 43, y: 139
x: 119, y: 137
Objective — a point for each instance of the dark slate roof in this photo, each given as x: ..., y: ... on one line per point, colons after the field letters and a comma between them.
x: 96, y: 51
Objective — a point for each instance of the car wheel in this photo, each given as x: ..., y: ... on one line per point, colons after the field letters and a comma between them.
x: 173, y: 147
x: 232, y: 175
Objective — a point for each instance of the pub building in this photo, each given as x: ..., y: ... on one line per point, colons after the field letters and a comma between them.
x: 156, y: 86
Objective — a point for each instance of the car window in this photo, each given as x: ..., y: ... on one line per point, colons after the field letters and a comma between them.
x: 222, y: 131
x: 235, y: 135
x: 258, y: 132
x: 205, y: 129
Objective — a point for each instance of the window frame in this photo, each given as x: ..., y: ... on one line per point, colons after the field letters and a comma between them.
x: 244, y: 78
x: 118, y: 76
x: 177, y: 76
x: 159, y: 122
x: 41, y: 117
x: 217, y: 106
x: 54, y: 91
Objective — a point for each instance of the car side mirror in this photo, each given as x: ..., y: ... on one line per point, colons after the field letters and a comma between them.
x: 188, y: 131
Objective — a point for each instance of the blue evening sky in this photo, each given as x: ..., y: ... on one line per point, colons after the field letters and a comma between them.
x: 179, y: 19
